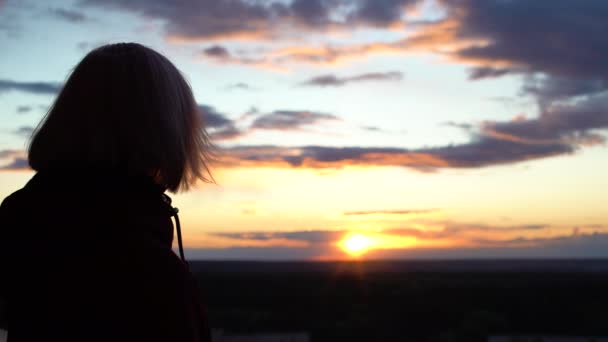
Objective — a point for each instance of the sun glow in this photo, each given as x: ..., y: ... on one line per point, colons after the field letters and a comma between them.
x: 356, y: 244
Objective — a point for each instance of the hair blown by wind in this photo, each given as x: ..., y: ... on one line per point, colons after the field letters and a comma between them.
x: 126, y: 107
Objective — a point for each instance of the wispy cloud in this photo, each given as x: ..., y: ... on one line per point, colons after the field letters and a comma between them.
x: 25, y: 131
x: 42, y: 88
x: 330, y: 80
x: 240, y: 86
x: 24, y: 109
x: 69, y: 15
x: 290, y: 119
x: 391, y: 212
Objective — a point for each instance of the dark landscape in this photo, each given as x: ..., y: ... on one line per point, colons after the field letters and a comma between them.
x: 408, y: 300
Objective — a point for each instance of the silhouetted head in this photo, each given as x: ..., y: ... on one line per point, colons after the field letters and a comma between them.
x: 125, y: 107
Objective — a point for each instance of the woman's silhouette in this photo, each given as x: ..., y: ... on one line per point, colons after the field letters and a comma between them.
x: 85, y: 246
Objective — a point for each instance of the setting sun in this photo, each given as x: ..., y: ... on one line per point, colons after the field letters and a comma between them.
x: 356, y: 244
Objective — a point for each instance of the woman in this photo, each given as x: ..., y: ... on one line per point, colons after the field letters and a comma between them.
x: 85, y: 246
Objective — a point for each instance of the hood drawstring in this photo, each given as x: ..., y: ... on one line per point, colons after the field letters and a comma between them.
x: 178, y: 227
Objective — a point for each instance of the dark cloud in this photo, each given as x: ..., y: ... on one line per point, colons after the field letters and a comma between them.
x: 214, y: 19
x: 273, y: 253
x: 548, y: 89
x: 485, y: 151
x: 335, y: 81
x: 312, y: 236
x: 220, y: 127
x: 391, y: 212
x: 290, y: 119
x: 221, y: 54
x: 68, y: 15
x: 559, y: 37
x: 380, y: 13
x: 24, y: 109
x: 204, y: 19
x: 43, y: 88
x: 487, y: 72
x: 212, y: 118
x: 561, y: 123
x: 217, y: 51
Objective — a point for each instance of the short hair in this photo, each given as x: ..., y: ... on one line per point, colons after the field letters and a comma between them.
x: 125, y: 107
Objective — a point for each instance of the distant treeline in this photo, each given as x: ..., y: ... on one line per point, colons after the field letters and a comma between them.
x: 359, y: 302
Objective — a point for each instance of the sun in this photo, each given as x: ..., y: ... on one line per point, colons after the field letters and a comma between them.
x: 356, y: 244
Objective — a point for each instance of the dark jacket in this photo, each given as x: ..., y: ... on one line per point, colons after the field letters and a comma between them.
x: 86, y: 256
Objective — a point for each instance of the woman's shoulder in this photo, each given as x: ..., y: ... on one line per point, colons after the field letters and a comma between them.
x: 13, y: 202
x: 21, y: 197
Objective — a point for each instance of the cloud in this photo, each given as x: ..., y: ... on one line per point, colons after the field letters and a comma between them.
x: 566, y: 123
x: 290, y: 119
x: 240, y: 86
x: 460, y: 125
x: 561, y: 129
x: 221, y: 54
x: 24, y: 109
x: 242, y: 19
x: 390, y: 212
x: 452, y: 240
x: 273, y: 253
x: 479, y: 73
x: 68, y: 15
x: 558, y: 37
x: 330, y: 80
x: 17, y: 160
x: 548, y: 89
x: 42, y: 88
x: 311, y: 237
x: 216, y: 51
x: 17, y: 164
x: 593, y: 245
x: 220, y: 127
x: 483, y: 152
x: 212, y: 118
x: 10, y: 153
x: 25, y: 131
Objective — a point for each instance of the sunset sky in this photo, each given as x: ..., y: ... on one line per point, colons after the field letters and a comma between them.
x: 357, y: 128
